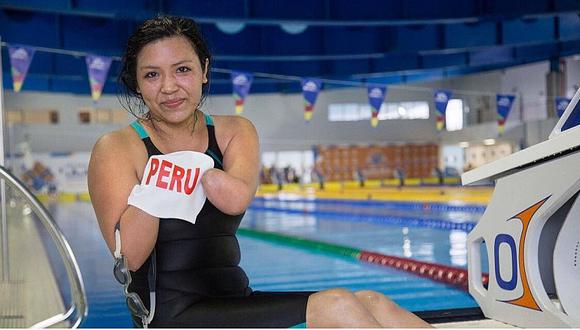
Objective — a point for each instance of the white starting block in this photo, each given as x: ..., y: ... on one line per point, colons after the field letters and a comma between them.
x: 531, y: 229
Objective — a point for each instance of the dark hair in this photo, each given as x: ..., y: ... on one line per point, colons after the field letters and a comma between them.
x: 149, y: 31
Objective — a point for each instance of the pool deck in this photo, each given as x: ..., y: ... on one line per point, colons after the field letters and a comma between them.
x: 487, y: 323
x: 477, y: 195
x: 30, y: 292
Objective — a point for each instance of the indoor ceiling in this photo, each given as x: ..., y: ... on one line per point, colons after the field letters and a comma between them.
x: 378, y: 41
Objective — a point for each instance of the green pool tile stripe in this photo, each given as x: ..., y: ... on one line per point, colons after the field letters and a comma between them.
x: 310, y: 245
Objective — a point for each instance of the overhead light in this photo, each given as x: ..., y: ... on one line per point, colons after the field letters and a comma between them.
x: 489, y: 142
x: 293, y: 28
x: 230, y: 27
x: 464, y: 144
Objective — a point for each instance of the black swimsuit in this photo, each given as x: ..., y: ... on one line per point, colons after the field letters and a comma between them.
x: 199, y: 282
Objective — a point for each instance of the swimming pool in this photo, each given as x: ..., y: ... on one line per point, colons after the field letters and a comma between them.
x: 275, y: 267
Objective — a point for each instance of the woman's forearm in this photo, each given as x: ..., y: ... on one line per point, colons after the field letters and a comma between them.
x: 229, y: 194
x: 138, y: 234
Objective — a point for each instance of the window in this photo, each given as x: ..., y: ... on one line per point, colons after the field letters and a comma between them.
x: 53, y: 115
x: 84, y: 117
x: 103, y: 116
x: 37, y: 116
x: 15, y: 116
x: 454, y: 115
x: 388, y: 111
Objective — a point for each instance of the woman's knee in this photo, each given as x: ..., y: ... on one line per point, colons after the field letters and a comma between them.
x: 332, y: 297
x: 330, y: 300
x: 371, y: 299
x: 335, y: 308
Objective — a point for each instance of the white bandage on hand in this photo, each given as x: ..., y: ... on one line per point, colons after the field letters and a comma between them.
x: 171, y: 185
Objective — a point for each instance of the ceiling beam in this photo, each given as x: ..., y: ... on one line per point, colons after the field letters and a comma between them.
x: 142, y: 13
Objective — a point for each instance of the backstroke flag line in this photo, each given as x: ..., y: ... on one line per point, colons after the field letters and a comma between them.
x: 241, y: 82
x: 20, y: 59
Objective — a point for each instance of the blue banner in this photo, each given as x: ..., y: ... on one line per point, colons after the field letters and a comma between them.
x: 20, y: 58
x: 241, y: 82
x: 441, y: 97
x: 310, y: 89
x: 504, y: 105
x: 98, y: 69
x: 377, y: 95
x: 561, y: 105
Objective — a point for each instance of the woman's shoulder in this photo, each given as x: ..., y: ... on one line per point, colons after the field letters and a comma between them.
x: 121, y: 141
x: 232, y: 123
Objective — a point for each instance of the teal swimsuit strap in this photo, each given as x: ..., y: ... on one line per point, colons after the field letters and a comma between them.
x: 139, y: 129
x: 143, y: 134
x: 209, y: 122
x: 208, y: 119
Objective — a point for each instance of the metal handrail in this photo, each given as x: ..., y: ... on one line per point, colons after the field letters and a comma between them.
x: 79, y: 297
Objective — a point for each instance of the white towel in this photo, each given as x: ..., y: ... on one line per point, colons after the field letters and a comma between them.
x: 171, y: 185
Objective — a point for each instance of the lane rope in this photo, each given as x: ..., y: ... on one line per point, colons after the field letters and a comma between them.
x: 436, y: 272
x: 406, y: 205
x: 378, y: 218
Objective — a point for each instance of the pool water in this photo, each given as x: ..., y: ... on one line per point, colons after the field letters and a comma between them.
x: 273, y: 267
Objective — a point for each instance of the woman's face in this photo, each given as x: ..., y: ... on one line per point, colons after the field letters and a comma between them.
x: 170, y: 78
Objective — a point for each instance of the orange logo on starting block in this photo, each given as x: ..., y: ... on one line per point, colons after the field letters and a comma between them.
x: 526, y: 299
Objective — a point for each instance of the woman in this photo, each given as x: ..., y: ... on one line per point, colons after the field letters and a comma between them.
x: 190, y: 266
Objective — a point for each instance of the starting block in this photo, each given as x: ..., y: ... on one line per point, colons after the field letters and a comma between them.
x: 531, y: 231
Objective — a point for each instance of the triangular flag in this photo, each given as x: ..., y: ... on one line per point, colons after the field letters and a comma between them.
x: 20, y: 59
x: 98, y: 68
x: 561, y: 105
x: 310, y: 89
x: 241, y: 82
x: 377, y: 95
x: 504, y: 105
x: 441, y: 98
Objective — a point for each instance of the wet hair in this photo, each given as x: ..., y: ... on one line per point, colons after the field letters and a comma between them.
x: 152, y: 30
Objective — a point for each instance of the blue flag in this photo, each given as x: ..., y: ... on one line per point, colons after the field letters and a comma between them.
x: 377, y: 95
x: 98, y: 68
x: 241, y: 81
x: 504, y: 105
x: 310, y: 89
x: 20, y: 58
x: 441, y: 97
x: 561, y: 105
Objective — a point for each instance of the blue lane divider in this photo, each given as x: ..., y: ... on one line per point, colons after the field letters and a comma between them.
x: 382, y: 219
x: 436, y: 206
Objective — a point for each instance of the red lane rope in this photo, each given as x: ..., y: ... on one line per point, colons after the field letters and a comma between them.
x: 436, y: 272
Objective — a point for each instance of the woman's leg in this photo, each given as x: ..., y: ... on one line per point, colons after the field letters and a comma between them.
x: 338, y: 308
x: 387, y: 313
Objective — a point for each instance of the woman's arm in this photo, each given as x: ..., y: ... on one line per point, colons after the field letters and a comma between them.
x: 233, y: 189
x: 111, y: 176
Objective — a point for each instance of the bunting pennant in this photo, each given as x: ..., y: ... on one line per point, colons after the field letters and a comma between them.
x: 441, y: 97
x: 561, y: 105
x: 504, y: 105
x: 20, y: 59
x: 310, y: 89
x: 241, y: 81
x: 98, y: 69
x: 377, y: 95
